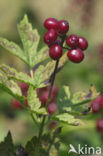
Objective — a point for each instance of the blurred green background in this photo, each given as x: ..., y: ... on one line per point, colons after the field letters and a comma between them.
x: 85, y: 18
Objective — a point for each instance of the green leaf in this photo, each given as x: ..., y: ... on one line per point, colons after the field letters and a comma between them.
x: 30, y: 39
x: 10, y: 86
x: 68, y: 119
x: 64, y: 102
x: 67, y: 91
x: 34, y: 102
x: 6, y: 147
x: 19, y: 76
x: 40, y: 56
x: 31, y: 145
x: 13, y: 48
x: 82, y: 97
x: 43, y: 73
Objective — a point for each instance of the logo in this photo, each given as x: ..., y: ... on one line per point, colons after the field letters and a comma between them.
x: 85, y: 150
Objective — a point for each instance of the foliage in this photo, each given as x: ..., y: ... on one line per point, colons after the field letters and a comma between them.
x: 71, y: 107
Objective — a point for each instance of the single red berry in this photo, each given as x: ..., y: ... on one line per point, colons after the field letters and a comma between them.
x: 51, y: 23
x: 95, y: 106
x: 63, y: 27
x: 50, y: 36
x: 43, y: 98
x: 83, y: 44
x: 26, y: 103
x: 101, y: 100
x: 72, y: 41
x: 55, y: 51
x: 52, y: 108
x: 16, y: 104
x: 100, y: 125
x: 54, y: 91
x: 75, y: 55
x: 23, y: 86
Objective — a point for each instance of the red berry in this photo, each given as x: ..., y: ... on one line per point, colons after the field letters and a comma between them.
x: 44, y: 98
x: 26, y: 103
x: 63, y: 27
x: 50, y: 36
x: 95, y: 106
x: 16, y: 104
x: 55, y: 52
x: 72, y: 41
x: 75, y: 55
x: 23, y: 86
x: 54, y: 90
x: 101, y: 101
x: 52, y: 108
x: 100, y: 125
x: 51, y: 23
x: 83, y: 44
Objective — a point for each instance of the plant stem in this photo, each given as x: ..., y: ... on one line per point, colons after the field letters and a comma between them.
x: 49, y: 95
x: 44, y: 117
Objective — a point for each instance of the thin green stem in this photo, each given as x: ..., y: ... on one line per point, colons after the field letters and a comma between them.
x: 36, y: 123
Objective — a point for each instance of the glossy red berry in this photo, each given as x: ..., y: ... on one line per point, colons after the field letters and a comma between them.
x: 51, y: 23
x: 83, y: 44
x: 55, y: 51
x: 72, y: 41
x: 95, y: 105
x: 50, y: 36
x: 63, y: 27
x: 100, y: 125
x: 75, y: 55
x: 52, y: 108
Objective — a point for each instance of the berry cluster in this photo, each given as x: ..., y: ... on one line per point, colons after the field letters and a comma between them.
x: 59, y: 29
x: 97, y: 107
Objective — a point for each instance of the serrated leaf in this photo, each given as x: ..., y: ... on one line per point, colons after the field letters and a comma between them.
x: 19, y: 76
x: 40, y: 56
x: 13, y: 48
x: 30, y: 39
x: 7, y: 147
x: 10, y: 86
x: 64, y: 101
x: 69, y: 119
x: 44, y: 73
x: 34, y: 102
x: 49, y: 68
x: 80, y: 97
x: 31, y: 145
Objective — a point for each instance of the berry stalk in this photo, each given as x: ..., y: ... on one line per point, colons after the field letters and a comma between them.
x: 49, y: 95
